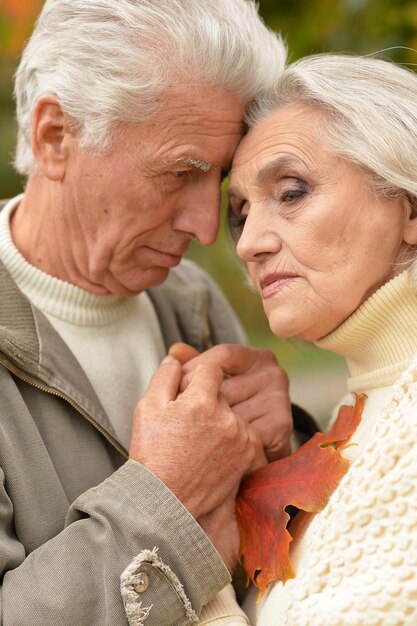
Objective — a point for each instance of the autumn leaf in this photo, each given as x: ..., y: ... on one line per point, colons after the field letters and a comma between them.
x: 305, y: 480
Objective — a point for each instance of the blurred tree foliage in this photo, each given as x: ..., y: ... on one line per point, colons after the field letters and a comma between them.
x: 309, y: 26
x: 360, y: 26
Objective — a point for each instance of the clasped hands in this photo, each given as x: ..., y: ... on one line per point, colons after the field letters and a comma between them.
x: 205, y: 421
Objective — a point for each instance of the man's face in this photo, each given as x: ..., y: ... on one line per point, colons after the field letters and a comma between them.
x: 132, y: 211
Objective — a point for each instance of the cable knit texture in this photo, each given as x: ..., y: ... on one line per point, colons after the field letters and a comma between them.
x: 360, y: 554
x: 355, y: 563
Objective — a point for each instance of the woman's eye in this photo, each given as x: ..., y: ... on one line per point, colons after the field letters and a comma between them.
x: 291, y: 190
x: 292, y: 195
x: 235, y: 224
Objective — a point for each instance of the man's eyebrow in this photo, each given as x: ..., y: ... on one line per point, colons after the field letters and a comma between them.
x: 204, y: 166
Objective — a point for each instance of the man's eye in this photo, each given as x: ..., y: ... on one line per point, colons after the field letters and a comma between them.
x: 180, y: 173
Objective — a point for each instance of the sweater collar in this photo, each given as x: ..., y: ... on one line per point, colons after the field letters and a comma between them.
x: 379, y: 339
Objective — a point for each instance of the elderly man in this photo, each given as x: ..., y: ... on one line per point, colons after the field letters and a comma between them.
x: 113, y: 512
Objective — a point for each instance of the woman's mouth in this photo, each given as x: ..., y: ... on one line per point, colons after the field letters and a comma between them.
x: 272, y: 283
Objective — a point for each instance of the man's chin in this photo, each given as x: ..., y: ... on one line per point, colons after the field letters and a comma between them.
x: 149, y: 278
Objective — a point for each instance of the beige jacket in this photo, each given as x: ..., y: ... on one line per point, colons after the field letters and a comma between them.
x: 75, y: 514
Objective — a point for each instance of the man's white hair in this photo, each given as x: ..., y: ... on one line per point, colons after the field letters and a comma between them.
x: 110, y: 61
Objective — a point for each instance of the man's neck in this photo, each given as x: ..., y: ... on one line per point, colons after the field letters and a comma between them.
x: 42, y: 235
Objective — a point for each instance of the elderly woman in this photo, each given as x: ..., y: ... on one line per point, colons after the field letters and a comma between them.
x: 323, y: 203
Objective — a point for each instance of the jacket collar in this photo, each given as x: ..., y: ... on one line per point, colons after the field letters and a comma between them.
x: 31, y: 346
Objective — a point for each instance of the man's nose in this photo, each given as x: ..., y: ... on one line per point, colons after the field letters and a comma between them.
x: 200, y: 215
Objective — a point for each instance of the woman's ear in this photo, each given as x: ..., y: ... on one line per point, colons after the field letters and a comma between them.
x: 50, y: 134
x: 410, y: 224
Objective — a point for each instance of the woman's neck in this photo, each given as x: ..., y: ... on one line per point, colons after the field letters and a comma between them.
x: 379, y: 339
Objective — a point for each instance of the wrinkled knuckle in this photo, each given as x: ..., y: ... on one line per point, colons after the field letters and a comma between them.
x: 246, y: 437
x: 215, y: 350
x: 267, y: 356
x: 202, y: 402
x: 282, y: 379
x: 255, y: 439
x: 232, y: 426
x: 283, y: 416
x: 223, y: 351
x: 284, y: 376
x: 252, y: 453
x: 286, y: 432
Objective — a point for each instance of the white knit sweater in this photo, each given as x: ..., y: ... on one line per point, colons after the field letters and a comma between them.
x: 356, y: 561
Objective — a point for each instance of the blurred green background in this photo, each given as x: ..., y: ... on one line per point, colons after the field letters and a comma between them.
x: 309, y: 26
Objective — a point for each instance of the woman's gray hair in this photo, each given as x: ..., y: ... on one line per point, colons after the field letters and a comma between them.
x: 369, y: 110
x: 109, y: 61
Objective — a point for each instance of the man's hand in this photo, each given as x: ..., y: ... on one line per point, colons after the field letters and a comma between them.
x: 194, y: 442
x: 222, y: 528
x: 255, y: 387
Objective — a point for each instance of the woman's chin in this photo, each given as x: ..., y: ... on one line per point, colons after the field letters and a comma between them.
x: 286, y: 328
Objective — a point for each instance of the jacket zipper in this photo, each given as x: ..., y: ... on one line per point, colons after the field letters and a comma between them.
x: 58, y: 394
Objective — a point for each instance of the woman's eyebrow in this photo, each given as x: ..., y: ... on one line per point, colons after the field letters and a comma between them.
x: 271, y: 168
x: 275, y: 165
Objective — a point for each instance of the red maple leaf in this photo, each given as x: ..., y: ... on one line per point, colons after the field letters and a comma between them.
x: 304, y: 480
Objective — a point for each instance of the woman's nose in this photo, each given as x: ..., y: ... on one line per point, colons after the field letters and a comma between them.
x: 258, y: 236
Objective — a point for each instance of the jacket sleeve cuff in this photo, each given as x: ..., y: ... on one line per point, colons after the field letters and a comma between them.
x: 177, y: 569
x: 148, y: 569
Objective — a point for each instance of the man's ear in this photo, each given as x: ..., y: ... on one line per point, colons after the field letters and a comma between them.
x: 410, y: 224
x: 50, y: 136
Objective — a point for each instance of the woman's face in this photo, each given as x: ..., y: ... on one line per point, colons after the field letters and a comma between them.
x: 316, y: 238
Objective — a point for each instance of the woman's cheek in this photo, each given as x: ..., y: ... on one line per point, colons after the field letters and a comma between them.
x: 251, y: 267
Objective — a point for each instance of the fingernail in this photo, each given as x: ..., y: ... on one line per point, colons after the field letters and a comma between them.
x: 168, y: 359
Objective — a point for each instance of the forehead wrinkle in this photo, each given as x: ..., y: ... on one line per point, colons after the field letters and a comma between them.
x: 265, y: 172
x: 199, y: 164
x: 276, y: 165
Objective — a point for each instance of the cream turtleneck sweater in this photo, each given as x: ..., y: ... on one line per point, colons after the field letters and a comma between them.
x: 355, y: 562
x: 378, y: 342
x: 116, y: 340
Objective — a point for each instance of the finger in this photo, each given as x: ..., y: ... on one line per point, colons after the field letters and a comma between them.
x: 267, y: 384
x: 183, y: 352
x: 165, y: 382
x: 186, y: 378
x: 278, y: 452
x: 262, y: 404
x: 260, y: 458
x: 240, y: 388
x: 274, y: 428
x: 233, y: 358
x: 243, y: 425
x: 205, y: 382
